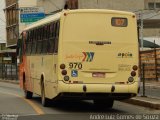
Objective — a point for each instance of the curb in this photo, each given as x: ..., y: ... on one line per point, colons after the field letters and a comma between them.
x: 144, y: 103
x: 10, y: 81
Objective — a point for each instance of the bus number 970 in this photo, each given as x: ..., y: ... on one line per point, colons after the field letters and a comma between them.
x: 75, y: 65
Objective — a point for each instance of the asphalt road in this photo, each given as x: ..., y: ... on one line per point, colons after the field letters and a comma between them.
x: 13, y: 104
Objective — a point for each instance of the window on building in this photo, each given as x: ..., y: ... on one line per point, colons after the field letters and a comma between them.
x: 39, y: 41
x: 14, y: 15
x: 153, y: 5
x: 158, y: 5
x: 8, y: 17
x: 14, y: 33
x: 71, y: 4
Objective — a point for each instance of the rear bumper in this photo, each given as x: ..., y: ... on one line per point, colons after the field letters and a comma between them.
x: 97, y: 91
x: 95, y: 96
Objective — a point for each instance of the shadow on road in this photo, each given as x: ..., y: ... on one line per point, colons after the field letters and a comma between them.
x: 77, y: 106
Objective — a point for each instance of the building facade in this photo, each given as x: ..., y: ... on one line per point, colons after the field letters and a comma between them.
x: 13, y: 11
x: 12, y: 21
x: 126, y: 5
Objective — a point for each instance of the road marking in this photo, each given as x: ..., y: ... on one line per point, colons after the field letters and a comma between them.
x: 34, y: 106
x: 31, y: 103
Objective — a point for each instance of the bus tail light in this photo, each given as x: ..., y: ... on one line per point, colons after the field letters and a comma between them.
x: 133, y: 73
x: 62, y: 66
x: 135, y: 67
x: 64, y: 72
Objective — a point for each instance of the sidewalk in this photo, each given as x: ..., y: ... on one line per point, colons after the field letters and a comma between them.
x: 152, y: 89
x: 153, y: 103
x: 152, y: 93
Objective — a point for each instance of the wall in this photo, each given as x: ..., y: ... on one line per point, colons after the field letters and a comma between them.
x: 11, y: 21
x: 10, y: 2
x: 51, y: 5
x: 129, y: 5
x: 151, y: 32
x: 27, y: 3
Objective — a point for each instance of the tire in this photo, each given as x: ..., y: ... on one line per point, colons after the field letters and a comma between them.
x: 28, y: 94
x: 104, y: 104
x: 45, y: 101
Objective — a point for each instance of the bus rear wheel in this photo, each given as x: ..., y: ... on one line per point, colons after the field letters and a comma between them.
x: 45, y: 101
x: 105, y: 104
x: 27, y: 94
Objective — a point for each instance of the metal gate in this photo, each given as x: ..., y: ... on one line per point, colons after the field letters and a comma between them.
x: 8, y: 71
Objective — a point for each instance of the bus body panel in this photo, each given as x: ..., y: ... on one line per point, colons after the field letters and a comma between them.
x: 81, y: 32
x: 39, y: 66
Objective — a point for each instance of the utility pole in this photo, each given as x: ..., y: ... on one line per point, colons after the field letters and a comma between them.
x: 141, y: 28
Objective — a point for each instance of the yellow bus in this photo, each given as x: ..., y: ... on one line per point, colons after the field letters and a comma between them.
x: 80, y: 54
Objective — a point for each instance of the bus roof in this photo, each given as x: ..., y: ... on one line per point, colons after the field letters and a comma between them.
x: 57, y: 16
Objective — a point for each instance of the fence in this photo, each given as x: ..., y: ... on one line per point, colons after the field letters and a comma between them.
x: 150, y: 64
x: 8, y: 71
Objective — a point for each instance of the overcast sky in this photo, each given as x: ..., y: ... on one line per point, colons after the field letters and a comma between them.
x: 2, y: 22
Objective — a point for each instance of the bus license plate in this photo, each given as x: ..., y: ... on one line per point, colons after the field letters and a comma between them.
x: 98, y: 74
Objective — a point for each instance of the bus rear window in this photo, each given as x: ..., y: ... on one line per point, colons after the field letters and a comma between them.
x: 119, y: 22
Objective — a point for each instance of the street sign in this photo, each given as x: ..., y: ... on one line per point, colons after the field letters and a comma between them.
x: 30, y: 20
x: 27, y: 10
x: 31, y: 14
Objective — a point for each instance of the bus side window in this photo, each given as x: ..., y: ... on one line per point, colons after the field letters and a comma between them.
x: 43, y: 37
x: 27, y: 42
x: 39, y: 36
x: 48, y: 39
x: 34, y: 41
x: 31, y: 40
x: 45, y: 40
x: 51, y: 38
x: 30, y: 43
x: 39, y: 41
x: 19, y: 50
x: 56, y: 36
